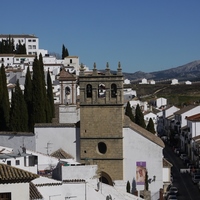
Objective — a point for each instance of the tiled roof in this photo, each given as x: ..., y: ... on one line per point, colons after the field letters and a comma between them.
x: 150, y: 136
x: 9, y: 174
x: 194, y: 117
x: 66, y: 76
x: 60, y: 153
x: 184, y: 109
x: 196, y: 138
x: 16, y: 133
x: 17, y: 36
x: 166, y: 163
x: 34, y: 193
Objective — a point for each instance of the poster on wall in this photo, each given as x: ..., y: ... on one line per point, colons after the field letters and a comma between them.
x: 140, y: 172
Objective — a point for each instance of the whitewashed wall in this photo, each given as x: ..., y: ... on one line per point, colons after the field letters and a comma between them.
x: 53, y: 138
x: 138, y: 148
x: 79, y: 172
x: 17, y: 141
x: 15, y: 188
x: 190, y: 112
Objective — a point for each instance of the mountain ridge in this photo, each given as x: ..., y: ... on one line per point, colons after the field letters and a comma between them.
x: 189, y: 71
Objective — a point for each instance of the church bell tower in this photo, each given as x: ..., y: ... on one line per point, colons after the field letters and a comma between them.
x: 101, y: 122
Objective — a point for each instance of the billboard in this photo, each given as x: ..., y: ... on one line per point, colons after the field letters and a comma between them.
x: 140, y: 172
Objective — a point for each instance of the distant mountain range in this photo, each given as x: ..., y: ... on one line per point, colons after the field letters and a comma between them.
x: 190, y: 72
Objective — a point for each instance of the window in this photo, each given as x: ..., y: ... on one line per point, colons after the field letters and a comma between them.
x: 8, y: 162
x: 17, y: 59
x: 29, y: 40
x: 89, y: 91
x: 67, y: 90
x: 113, y: 91
x: 5, y: 196
x: 34, y: 46
x: 102, y: 148
x: 70, y: 60
x: 34, y: 40
x: 101, y: 90
x: 17, y: 162
x: 7, y: 58
x: 29, y: 46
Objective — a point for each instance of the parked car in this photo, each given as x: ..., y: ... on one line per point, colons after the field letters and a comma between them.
x: 183, y: 156
x: 198, y: 185
x: 168, y: 193
x: 172, y: 197
x: 196, y: 178
x: 174, y: 189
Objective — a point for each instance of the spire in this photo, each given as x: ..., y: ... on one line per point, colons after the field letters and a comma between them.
x: 81, y: 70
x: 107, y: 69
x: 94, y: 69
x: 119, y: 69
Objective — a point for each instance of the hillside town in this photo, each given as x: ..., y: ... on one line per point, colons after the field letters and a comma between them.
x: 92, y: 149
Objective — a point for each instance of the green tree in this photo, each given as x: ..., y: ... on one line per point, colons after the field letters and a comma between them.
x: 150, y: 126
x: 39, y: 107
x: 146, y: 181
x: 18, y: 111
x: 139, y: 117
x: 128, y: 187
x: 129, y: 112
x: 4, y: 101
x: 65, y: 52
x: 50, y: 95
x: 28, y: 97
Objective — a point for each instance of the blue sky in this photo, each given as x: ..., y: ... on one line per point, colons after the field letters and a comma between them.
x: 146, y: 36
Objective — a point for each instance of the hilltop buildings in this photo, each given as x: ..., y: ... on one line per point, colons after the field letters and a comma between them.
x: 90, y: 126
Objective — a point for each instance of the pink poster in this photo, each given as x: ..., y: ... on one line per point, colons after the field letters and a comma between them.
x: 140, y: 173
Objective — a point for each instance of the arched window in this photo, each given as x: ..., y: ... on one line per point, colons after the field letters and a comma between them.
x: 67, y: 91
x: 113, y: 90
x: 101, y: 90
x: 89, y: 91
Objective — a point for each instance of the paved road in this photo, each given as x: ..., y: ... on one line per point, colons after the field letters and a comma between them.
x: 183, y: 181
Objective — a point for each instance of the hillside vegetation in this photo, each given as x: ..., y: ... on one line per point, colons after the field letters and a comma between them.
x: 178, y: 95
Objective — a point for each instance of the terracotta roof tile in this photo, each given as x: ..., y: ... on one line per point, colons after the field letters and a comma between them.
x: 60, y: 153
x: 9, y: 174
x: 65, y: 75
x: 194, y: 117
x: 185, y: 109
x: 34, y: 193
x: 166, y: 163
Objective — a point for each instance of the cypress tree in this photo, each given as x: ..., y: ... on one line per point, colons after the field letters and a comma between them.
x: 4, y: 101
x: 146, y: 181
x: 65, y: 52
x: 139, y: 117
x: 28, y: 97
x: 45, y: 102
x: 128, y: 187
x: 129, y: 112
x: 50, y: 95
x: 150, y: 126
x: 18, y: 112
x: 39, y: 114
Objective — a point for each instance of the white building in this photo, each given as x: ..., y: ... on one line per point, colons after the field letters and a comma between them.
x: 144, y: 81
x: 31, y: 42
x: 174, y: 82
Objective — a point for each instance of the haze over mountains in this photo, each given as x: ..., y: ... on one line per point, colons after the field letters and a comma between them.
x: 189, y: 71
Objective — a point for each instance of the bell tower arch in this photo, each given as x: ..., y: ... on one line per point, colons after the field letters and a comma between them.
x: 68, y: 112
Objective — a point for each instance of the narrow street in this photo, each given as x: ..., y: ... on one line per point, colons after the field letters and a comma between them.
x: 183, y: 181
